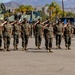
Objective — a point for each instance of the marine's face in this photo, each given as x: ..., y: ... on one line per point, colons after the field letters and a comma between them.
x: 8, y: 22
x: 50, y: 25
x: 69, y: 24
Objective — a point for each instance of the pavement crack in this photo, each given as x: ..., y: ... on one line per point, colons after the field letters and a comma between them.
x: 61, y: 69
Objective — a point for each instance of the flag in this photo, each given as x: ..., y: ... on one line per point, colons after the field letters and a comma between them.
x: 65, y: 21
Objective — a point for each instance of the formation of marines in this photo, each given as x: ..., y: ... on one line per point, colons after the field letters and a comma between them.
x: 47, y: 29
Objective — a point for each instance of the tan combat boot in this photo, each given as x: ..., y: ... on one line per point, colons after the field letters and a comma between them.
x: 23, y: 49
x: 66, y: 48
x: 16, y: 47
x: 56, y: 47
x: 69, y: 48
x: 8, y: 49
x: 5, y: 49
x: 50, y: 50
x: 38, y: 47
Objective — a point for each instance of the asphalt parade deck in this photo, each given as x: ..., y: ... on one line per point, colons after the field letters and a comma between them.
x: 38, y: 62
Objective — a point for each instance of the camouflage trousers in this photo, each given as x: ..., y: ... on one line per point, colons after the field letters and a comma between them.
x: 67, y: 41
x: 58, y: 40
x: 24, y: 40
x: 38, y: 39
x: 6, y: 41
x: 31, y: 31
x: 16, y: 39
x: 0, y: 40
x: 49, y: 43
x: 45, y: 39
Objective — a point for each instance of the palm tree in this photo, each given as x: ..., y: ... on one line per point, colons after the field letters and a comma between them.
x: 24, y: 8
x: 54, y: 10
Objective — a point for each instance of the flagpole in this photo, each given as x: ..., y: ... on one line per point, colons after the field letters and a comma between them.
x: 63, y: 7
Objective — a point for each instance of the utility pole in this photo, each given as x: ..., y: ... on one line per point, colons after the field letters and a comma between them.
x: 63, y: 7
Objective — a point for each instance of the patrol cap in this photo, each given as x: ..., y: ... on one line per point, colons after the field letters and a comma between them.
x: 6, y: 19
x: 39, y: 19
x: 49, y: 23
x: 22, y: 12
x: 24, y: 19
x: 59, y: 20
x: 47, y: 18
x: 68, y: 21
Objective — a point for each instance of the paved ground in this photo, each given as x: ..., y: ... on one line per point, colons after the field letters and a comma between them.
x: 38, y: 62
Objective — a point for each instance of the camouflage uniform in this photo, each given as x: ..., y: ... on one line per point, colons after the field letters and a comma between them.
x: 7, y: 36
x: 25, y: 35
x: 45, y: 31
x: 16, y: 31
x: 38, y: 35
x: 1, y: 29
x: 59, y: 31
x: 49, y: 37
x: 67, y: 35
x: 33, y: 30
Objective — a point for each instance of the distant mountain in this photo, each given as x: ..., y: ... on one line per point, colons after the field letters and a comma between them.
x: 33, y: 2
x: 11, y: 5
x: 70, y: 10
x: 67, y: 3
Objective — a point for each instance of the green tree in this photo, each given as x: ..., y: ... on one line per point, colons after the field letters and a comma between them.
x: 43, y: 15
x: 70, y: 14
x: 55, y: 11
x: 73, y: 14
x: 24, y: 8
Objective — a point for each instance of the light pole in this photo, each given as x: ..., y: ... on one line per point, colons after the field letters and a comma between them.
x: 63, y: 7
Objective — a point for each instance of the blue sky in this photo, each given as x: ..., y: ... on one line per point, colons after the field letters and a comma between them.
x: 33, y: 0
x: 5, y: 0
x: 67, y: 3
